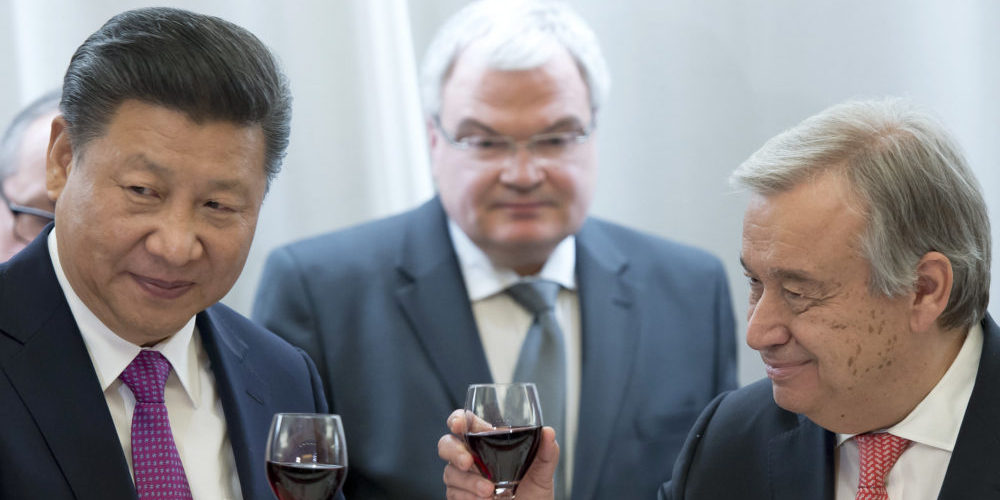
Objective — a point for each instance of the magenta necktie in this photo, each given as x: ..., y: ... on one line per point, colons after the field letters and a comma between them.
x: 878, y: 453
x: 158, y: 470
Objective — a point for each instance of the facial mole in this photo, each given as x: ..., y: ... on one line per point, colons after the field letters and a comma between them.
x: 850, y: 361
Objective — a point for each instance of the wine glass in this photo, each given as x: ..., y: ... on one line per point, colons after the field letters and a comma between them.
x: 503, y: 430
x: 306, y: 456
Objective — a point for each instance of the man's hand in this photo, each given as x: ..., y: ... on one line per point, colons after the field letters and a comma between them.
x: 465, y: 483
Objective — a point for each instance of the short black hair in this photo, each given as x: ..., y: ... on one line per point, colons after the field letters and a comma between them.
x: 204, y: 66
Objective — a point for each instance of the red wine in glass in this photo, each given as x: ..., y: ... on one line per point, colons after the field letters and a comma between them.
x: 306, y: 456
x: 504, y: 454
x: 309, y: 481
x: 504, y: 426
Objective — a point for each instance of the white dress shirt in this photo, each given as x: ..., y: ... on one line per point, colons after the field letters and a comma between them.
x: 503, y: 324
x: 932, y: 427
x: 193, y: 405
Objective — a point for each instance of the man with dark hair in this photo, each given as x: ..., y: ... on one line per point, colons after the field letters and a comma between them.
x: 123, y: 377
x: 26, y: 205
x: 866, y: 246
x: 402, y: 314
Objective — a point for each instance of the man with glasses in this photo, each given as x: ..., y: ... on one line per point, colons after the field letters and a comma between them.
x: 402, y: 314
x: 22, y: 175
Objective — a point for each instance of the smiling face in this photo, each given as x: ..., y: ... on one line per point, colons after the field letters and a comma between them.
x: 519, y: 207
x: 835, y: 352
x: 155, y: 217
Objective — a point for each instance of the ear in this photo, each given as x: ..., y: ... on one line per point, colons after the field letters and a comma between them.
x: 433, y: 143
x: 432, y: 133
x: 59, y: 158
x: 933, y: 289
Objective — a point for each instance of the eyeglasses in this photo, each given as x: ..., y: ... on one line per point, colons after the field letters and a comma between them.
x: 547, y: 146
x: 28, y: 221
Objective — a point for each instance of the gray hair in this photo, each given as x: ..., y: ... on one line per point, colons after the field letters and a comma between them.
x: 10, y: 146
x: 517, y: 35
x: 916, y: 190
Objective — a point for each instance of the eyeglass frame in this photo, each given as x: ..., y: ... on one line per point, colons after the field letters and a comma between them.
x: 17, y: 210
x: 574, y: 138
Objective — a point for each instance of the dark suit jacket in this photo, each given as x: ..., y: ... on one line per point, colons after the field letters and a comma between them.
x: 383, y: 310
x: 745, y: 446
x: 57, y: 439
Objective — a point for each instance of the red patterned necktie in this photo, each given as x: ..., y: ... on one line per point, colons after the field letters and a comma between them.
x: 155, y: 462
x: 879, y: 452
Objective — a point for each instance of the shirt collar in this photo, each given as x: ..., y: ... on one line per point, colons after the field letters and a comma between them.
x: 111, y: 354
x: 937, y: 419
x: 483, y: 279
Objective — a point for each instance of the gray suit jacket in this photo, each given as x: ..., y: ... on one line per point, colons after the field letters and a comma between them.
x: 383, y: 310
x: 745, y: 446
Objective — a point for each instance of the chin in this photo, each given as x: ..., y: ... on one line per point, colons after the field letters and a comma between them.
x: 789, y: 400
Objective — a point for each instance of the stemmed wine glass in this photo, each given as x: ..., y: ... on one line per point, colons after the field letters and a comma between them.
x: 306, y: 456
x: 503, y: 430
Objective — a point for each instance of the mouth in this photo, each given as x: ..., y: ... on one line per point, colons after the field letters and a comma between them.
x: 526, y: 206
x: 163, y: 289
x: 783, y: 370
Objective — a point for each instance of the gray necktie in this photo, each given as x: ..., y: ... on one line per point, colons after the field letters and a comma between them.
x: 543, y: 360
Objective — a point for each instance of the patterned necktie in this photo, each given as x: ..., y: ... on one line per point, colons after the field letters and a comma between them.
x: 155, y: 461
x: 543, y: 359
x: 879, y: 452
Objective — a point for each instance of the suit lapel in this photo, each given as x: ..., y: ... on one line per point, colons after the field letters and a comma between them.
x: 800, y: 463
x: 972, y: 471
x: 434, y: 300
x: 55, y: 378
x: 610, y: 330
x: 244, y: 400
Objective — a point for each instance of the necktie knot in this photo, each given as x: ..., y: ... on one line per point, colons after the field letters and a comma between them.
x: 536, y: 296
x: 878, y: 453
x: 146, y: 376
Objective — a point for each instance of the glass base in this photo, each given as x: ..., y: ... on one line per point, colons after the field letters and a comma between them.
x: 504, y: 490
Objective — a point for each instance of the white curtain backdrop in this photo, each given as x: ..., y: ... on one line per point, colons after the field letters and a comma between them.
x: 698, y: 85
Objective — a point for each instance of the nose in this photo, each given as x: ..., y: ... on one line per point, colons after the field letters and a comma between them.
x: 522, y: 171
x: 175, y: 239
x: 767, y: 324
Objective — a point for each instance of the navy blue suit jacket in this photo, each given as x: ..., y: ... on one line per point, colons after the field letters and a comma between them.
x: 383, y: 310
x: 57, y: 438
x: 745, y: 446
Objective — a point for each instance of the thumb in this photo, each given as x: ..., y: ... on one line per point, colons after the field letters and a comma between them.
x: 538, y: 479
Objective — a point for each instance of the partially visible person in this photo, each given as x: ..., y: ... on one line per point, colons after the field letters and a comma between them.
x: 26, y: 205
x: 122, y: 377
x: 866, y: 245
x: 628, y: 337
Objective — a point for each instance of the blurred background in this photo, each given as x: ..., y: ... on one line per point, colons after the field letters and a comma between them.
x: 698, y: 85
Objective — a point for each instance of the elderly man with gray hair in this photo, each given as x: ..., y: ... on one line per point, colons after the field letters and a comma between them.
x: 866, y: 246
x: 26, y: 204
x: 402, y: 314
